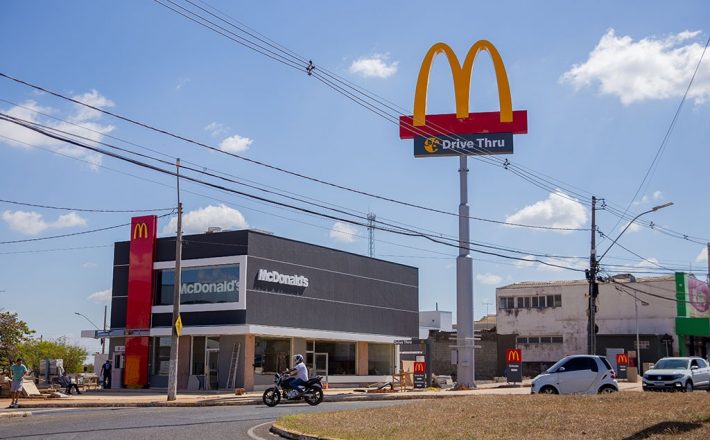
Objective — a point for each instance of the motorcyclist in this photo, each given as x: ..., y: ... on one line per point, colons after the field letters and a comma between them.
x: 299, y: 373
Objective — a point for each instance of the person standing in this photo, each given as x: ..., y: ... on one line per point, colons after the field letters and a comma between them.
x: 19, y: 371
x: 106, y: 373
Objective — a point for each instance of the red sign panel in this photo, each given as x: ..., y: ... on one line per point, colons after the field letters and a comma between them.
x: 419, y: 367
x: 140, y: 298
x: 622, y: 359
x: 514, y: 356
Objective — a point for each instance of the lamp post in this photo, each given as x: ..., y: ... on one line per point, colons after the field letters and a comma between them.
x: 103, y: 340
x: 593, y: 283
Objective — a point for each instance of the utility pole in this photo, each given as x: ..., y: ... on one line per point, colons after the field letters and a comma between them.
x: 593, y: 286
x: 371, y: 233
x: 174, y: 344
x: 708, y: 258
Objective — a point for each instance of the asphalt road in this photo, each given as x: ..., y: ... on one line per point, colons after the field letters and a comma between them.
x: 192, y: 423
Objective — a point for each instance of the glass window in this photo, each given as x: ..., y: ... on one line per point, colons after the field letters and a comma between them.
x: 545, y: 340
x: 271, y: 355
x: 341, y: 356
x: 521, y: 340
x: 506, y: 302
x: 556, y: 339
x: 380, y: 359
x: 558, y: 301
x: 161, y: 356
x: 550, y: 301
x: 580, y: 364
x: 527, y: 302
x: 533, y: 340
x: 200, y: 285
x: 541, y: 302
x: 521, y: 302
x: 213, y: 343
x: 535, y: 301
x: 702, y: 363
x: 198, y: 355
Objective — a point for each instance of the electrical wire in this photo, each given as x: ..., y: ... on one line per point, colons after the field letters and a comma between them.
x: 83, y: 209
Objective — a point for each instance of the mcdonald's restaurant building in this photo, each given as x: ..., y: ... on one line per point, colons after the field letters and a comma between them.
x: 250, y: 301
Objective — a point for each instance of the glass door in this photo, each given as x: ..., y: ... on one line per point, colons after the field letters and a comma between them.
x: 212, y: 362
x: 321, y: 365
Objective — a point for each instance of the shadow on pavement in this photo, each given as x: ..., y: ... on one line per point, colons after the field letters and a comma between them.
x: 665, y: 428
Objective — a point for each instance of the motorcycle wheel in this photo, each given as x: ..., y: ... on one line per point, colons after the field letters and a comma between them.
x: 313, y: 396
x: 271, y: 397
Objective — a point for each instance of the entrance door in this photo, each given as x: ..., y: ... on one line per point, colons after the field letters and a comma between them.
x: 321, y: 365
x: 212, y: 372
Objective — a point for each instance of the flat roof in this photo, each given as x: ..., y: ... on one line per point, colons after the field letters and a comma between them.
x: 561, y: 283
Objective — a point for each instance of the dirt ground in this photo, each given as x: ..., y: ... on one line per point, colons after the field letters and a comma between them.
x: 614, y: 416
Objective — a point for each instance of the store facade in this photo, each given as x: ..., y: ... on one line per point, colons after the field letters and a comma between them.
x: 250, y: 301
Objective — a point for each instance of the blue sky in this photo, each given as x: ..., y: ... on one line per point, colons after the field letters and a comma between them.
x: 600, y: 81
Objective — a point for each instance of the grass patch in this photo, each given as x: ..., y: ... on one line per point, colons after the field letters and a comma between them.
x: 523, y: 417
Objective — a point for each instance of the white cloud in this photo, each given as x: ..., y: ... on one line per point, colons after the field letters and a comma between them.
x: 375, y: 66
x: 526, y: 262
x: 650, y: 68
x: 344, y: 232
x: 235, y: 144
x: 182, y: 82
x: 85, y: 117
x: 32, y: 223
x: 558, y: 210
x: 216, y: 129
x: 657, y: 195
x: 197, y: 221
x: 702, y: 256
x: 101, y: 296
x: 633, y: 227
x: 489, y: 278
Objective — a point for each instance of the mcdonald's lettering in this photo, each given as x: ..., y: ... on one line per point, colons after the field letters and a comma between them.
x: 419, y: 367
x: 140, y: 230
x: 421, y: 125
x: 514, y: 356
x: 622, y: 359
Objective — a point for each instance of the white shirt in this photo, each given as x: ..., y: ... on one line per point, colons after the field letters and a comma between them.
x: 301, y: 371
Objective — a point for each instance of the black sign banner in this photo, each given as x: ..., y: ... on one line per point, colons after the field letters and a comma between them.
x: 482, y: 144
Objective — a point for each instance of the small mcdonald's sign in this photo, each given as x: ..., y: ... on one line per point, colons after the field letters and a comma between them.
x: 514, y: 356
x: 622, y: 359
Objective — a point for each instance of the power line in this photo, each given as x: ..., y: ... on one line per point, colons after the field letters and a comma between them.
x: 400, y: 231
x: 83, y: 209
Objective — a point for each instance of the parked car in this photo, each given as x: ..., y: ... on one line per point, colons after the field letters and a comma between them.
x: 578, y: 374
x: 678, y: 374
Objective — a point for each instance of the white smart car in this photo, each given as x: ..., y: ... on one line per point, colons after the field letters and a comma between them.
x: 578, y: 374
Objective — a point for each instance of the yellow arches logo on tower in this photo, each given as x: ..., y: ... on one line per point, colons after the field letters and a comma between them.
x: 140, y: 230
x: 461, y: 74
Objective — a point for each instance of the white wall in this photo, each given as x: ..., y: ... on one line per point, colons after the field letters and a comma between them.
x: 615, y: 315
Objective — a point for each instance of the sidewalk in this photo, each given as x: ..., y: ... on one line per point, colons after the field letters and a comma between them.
x: 156, y: 398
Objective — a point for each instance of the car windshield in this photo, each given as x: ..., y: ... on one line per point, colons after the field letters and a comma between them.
x: 670, y: 364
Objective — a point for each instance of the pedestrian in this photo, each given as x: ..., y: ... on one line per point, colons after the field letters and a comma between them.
x: 65, y: 381
x: 106, y: 374
x: 19, y: 371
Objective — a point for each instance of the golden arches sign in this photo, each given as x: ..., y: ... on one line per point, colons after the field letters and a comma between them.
x: 140, y: 230
x: 462, y: 80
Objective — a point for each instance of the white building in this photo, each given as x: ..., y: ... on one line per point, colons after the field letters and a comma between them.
x: 548, y: 320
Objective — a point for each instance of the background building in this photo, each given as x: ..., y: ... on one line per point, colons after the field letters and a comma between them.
x: 548, y: 320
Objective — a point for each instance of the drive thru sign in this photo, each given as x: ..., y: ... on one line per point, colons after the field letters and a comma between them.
x: 420, y: 375
x: 514, y: 370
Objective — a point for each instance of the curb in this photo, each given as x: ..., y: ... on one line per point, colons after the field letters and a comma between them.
x: 257, y: 401
x: 295, y: 435
x: 11, y: 414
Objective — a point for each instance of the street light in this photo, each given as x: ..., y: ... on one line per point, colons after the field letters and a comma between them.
x: 592, y: 276
x: 103, y: 340
x: 638, y: 344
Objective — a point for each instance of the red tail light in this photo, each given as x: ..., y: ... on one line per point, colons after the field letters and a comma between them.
x: 613, y: 374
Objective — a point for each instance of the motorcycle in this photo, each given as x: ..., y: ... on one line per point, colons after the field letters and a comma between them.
x: 312, y: 393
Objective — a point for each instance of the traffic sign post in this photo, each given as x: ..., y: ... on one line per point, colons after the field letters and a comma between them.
x: 514, y: 370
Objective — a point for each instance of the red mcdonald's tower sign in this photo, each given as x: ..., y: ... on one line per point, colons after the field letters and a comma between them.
x: 140, y: 299
x: 622, y: 359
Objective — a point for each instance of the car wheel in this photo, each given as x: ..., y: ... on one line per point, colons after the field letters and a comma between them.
x: 607, y: 389
x: 688, y: 387
x: 548, y: 390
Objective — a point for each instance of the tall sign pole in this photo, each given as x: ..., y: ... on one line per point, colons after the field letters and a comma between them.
x: 464, y: 287
x: 463, y: 134
x: 177, y: 324
x: 593, y: 286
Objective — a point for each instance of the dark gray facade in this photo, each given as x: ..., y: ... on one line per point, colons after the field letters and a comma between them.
x: 346, y: 292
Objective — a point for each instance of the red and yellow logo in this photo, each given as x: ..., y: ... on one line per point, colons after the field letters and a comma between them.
x: 622, y: 359
x: 462, y: 122
x: 514, y: 356
x: 419, y: 367
x: 140, y: 230
x: 431, y: 144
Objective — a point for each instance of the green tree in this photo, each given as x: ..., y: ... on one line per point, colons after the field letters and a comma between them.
x: 34, y: 351
x: 13, y: 332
